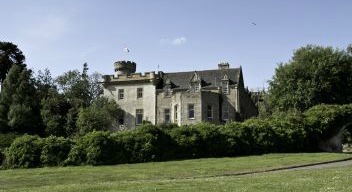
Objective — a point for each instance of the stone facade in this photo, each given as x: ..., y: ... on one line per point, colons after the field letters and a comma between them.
x: 214, y: 96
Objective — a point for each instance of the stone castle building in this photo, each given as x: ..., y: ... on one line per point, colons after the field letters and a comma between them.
x: 215, y: 96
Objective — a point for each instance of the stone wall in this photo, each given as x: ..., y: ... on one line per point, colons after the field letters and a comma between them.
x: 186, y: 98
x: 211, y: 99
x: 130, y: 102
x: 247, y: 105
x: 162, y: 104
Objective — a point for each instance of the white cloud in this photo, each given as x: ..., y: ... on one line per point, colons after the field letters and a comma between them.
x: 176, y: 41
x: 179, y: 41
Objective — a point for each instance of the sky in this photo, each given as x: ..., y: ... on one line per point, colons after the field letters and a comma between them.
x: 172, y: 35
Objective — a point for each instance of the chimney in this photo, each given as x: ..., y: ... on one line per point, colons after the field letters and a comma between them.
x: 222, y: 66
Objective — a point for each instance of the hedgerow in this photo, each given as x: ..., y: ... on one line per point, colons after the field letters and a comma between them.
x: 292, y: 132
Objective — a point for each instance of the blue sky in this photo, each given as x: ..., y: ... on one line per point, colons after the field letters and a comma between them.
x: 177, y: 35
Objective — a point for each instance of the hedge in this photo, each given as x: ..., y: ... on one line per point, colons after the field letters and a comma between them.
x: 292, y: 132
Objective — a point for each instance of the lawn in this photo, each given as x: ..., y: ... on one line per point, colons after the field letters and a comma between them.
x: 187, y: 175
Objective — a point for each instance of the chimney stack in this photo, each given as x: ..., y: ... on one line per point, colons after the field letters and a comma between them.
x: 223, y: 66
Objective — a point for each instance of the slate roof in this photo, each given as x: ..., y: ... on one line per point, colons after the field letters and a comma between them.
x: 210, y: 78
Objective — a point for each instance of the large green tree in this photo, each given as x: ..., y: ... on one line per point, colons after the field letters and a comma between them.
x: 54, y: 110
x: 19, y: 104
x: 314, y: 75
x: 101, y: 115
x: 80, y: 89
x: 9, y: 55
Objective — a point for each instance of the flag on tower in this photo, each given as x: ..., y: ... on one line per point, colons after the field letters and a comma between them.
x: 127, y: 50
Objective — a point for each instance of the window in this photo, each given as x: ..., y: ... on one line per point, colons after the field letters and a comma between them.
x: 167, y: 118
x: 225, y: 112
x: 121, y: 94
x: 139, y: 116
x: 225, y: 88
x: 196, y: 87
x: 210, y: 112
x: 191, y: 111
x: 175, y: 114
x: 139, y: 92
x: 167, y: 92
x: 120, y: 120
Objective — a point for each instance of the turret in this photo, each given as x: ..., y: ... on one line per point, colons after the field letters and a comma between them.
x: 124, y: 67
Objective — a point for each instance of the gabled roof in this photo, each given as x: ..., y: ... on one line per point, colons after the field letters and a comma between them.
x: 209, y: 78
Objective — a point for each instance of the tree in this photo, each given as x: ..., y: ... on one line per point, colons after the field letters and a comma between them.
x: 19, y: 105
x: 79, y: 89
x: 100, y: 116
x: 43, y: 83
x: 313, y: 76
x: 54, y: 110
x: 9, y: 55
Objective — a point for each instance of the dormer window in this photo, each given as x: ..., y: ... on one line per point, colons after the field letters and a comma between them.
x: 225, y: 88
x: 196, y: 87
x: 225, y: 84
x: 167, y: 92
x: 195, y: 82
x: 167, y: 88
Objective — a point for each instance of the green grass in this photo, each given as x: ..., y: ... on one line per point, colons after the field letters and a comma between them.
x: 187, y: 175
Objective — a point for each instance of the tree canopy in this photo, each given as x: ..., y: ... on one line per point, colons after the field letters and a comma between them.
x: 314, y: 75
x: 9, y: 55
x: 19, y: 104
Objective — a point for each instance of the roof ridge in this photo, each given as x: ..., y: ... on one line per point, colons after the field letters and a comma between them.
x: 201, y: 70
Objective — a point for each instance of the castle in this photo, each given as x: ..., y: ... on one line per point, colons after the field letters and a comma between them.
x: 215, y: 96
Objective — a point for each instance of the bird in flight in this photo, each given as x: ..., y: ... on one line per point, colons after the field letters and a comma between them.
x: 126, y: 49
x: 254, y: 24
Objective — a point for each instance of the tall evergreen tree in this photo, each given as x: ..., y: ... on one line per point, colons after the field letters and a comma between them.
x: 19, y: 104
x: 9, y: 55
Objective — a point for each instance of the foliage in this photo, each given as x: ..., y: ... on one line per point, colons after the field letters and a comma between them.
x: 19, y: 105
x: 189, y: 141
x: 2, y: 158
x: 79, y: 90
x: 292, y: 131
x: 324, y: 121
x: 147, y: 143
x: 6, y: 139
x: 313, y: 76
x: 95, y: 148
x: 99, y: 116
x: 24, y: 152
x: 55, y: 151
x: 44, y: 83
x: 10, y: 55
x: 54, y: 109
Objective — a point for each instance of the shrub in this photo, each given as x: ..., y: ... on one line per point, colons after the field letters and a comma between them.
x: 6, y: 139
x: 55, y: 151
x: 24, y: 152
x: 2, y: 157
x: 189, y: 141
x: 77, y: 155
x: 146, y: 143
x: 290, y: 133
x: 95, y: 148
x: 323, y: 121
x: 99, y: 116
x: 233, y: 137
x: 212, y: 143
